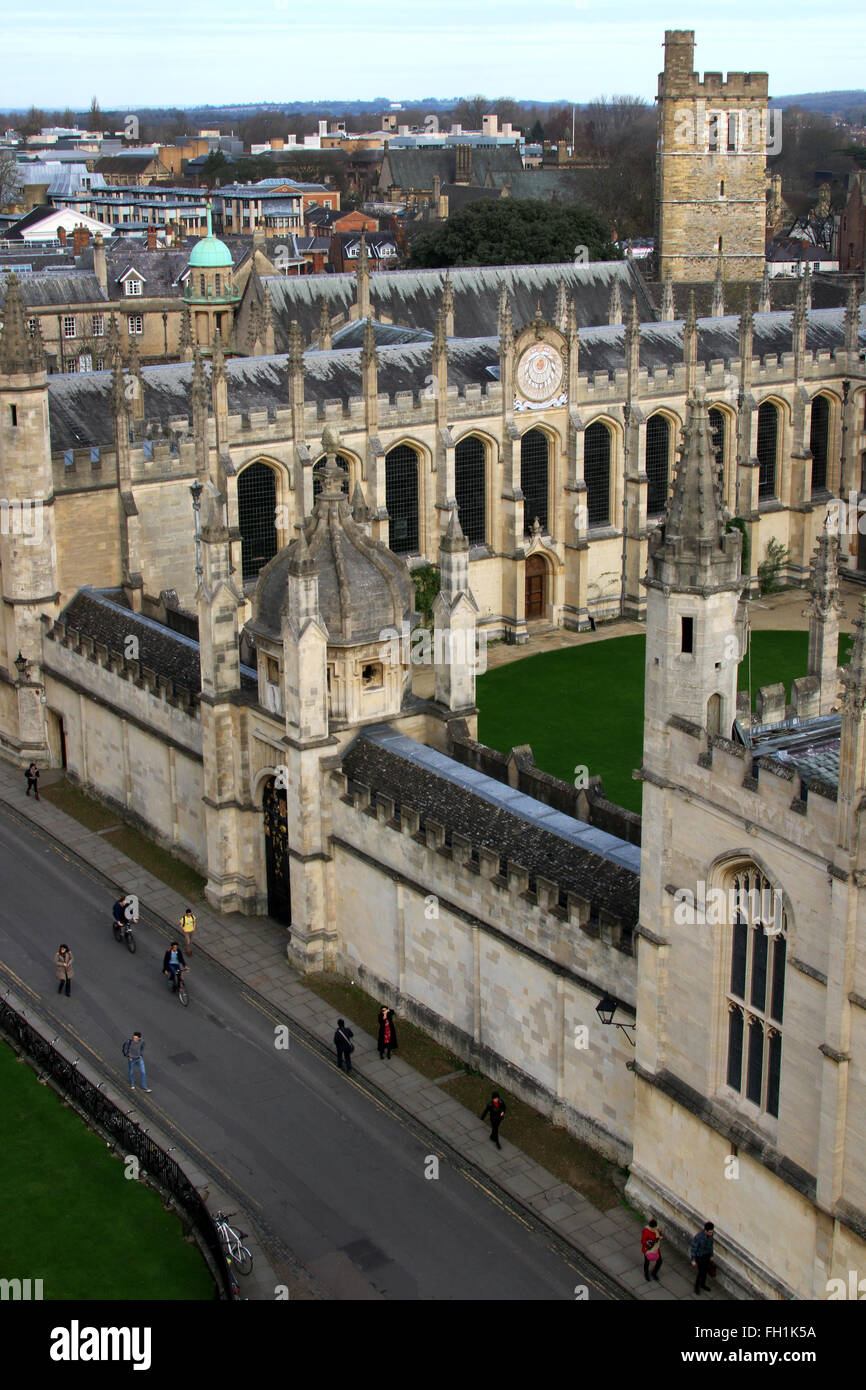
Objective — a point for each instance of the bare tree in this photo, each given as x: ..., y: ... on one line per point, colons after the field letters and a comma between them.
x: 10, y: 181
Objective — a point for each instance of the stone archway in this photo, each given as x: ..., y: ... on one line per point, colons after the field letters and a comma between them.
x: 276, y: 830
x: 535, y: 578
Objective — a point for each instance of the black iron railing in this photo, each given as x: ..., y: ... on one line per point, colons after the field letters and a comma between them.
x: 130, y: 1137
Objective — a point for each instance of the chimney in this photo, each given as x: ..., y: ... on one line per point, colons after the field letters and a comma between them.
x: 323, y: 128
x: 490, y: 124
x: 80, y: 239
x: 61, y: 235
x: 151, y: 238
x: 99, y: 266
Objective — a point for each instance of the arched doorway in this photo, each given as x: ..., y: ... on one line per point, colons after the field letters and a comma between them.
x: 276, y: 827
x: 536, y: 588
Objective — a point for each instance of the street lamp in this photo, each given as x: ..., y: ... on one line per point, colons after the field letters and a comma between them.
x: 22, y: 666
x: 197, y: 489
x: 606, y: 1008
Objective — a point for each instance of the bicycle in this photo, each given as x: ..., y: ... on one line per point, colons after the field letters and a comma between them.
x: 236, y: 1252
x: 178, y: 986
x: 123, y: 932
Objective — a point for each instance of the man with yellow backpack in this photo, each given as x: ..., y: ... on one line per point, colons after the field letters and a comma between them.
x: 187, y: 926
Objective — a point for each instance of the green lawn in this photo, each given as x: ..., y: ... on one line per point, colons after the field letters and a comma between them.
x: 71, y: 1218
x: 584, y: 705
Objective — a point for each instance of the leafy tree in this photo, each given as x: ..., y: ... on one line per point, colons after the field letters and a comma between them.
x: 95, y: 118
x: 503, y: 231
x: 214, y: 168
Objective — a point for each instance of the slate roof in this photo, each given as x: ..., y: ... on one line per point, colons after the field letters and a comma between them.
x: 56, y: 287
x: 124, y: 163
x: 412, y: 297
x: 579, y: 857
x: 351, y: 335
x: 80, y: 403
x: 810, y: 746
x: 102, y: 615
x: 414, y: 169
x: 827, y: 293
x: 567, y: 186
x: 459, y: 194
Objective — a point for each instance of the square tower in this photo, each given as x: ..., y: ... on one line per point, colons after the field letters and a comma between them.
x: 710, y: 169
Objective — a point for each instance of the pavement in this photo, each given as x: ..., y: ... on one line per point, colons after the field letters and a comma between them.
x: 253, y: 952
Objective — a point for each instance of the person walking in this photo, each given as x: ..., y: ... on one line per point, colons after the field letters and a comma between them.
x: 187, y: 926
x: 495, y: 1108
x: 133, y: 1051
x: 650, y: 1244
x: 702, y: 1256
x: 387, y: 1040
x: 344, y: 1045
x: 32, y: 775
x: 63, y: 962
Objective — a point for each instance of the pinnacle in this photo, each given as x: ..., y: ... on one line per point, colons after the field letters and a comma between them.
x: 20, y: 351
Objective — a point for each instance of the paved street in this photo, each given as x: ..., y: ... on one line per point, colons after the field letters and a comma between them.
x: 339, y: 1178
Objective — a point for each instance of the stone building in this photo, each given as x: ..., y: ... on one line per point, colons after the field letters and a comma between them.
x: 711, y: 178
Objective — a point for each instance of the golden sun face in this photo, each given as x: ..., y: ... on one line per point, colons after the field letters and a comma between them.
x: 539, y: 372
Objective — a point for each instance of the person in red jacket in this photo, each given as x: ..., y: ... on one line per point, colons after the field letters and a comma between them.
x: 650, y: 1244
x: 495, y: 1108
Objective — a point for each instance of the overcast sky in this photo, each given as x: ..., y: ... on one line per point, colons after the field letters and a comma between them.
x: 183, y: 52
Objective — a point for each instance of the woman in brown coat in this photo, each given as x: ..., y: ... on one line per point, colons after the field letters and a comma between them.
x: 63, y: 962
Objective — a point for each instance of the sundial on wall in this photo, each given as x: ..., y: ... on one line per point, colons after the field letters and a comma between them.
x: 539, y: 376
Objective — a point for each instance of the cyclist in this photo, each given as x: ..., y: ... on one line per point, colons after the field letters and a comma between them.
x: 173, y: 963
x: 120, y: 910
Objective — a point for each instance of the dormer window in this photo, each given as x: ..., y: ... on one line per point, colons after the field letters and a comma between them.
x: 132, y: 286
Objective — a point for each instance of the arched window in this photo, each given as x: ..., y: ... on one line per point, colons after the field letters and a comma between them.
x: 596, y: 474
x: 257, y: 508
x: 756, y: 990
x: 533, y: 479
x: 217, y: 278
x: 401, y: 499
x: 718, y: 437
x: 819, y: 442
x: 768, y: 448
x: 317, y: 474
x: 470, y: 488
x: 658, y: 449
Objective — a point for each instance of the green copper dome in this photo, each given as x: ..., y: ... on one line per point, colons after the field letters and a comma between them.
x: 210, y: 252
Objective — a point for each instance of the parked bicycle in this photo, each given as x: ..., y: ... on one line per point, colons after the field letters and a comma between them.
x: 123, y: 921
x: 236, y: 1253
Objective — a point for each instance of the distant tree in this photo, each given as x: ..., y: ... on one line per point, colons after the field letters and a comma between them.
x: 469, y: 111
x: 214, y: 167
x: 536, y: 135
x: 95, y: 118
x: 10, y: 181
x: 503, y: 231
x: 67, y: 119
x: 32, y: 122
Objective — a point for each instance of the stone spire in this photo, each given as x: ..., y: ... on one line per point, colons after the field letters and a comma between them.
x: 747, y: 327
x: 360, y: 510
x: 852, y: 320
x: 572, y: 334
x: 825, y: 607
x: 448, y: 305
x: 669, y: 308
x: 253, y: 330
x: 692, y: 549
x: 690, y: 344
x: 112, y: 339
x: 615, y: 310
x: 362, y: 278
x: 852, y: 742
x: 20, y: 351
x: 185, y: 337
x: 764, y: 302
x: 807, y: 286
x: 718, y: 310
x: 798, y: 328
x: 370, y: 377
x: 295, y: 367
x: 506, y: 322
x: 853, y: 676
x: 632, y: 347
x: 199, y: 399
x: 560, y: 313
x: 267, y: 322
x: 296, y: 347
x: 454, y: 616
x: 198, y: 391
x: 324, y: 325
x: 135, y: 376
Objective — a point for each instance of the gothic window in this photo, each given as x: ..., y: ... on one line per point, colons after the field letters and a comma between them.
x: 819, y: 442
x: 135, y: 324
x: 596, y: 474
x: 533, y: 479
x: 756, y: 988
x: 317, y: 474
x: 768, y: 448
x: 257, y: 505
x: 658, y: 448
x: 714, y: 124
x: 470, y: 488
x: 401, y: 499
x: 733, y: 121
x: 718, y: 439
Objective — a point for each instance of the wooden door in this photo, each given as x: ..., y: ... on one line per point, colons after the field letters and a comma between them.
x: 536, y: 588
